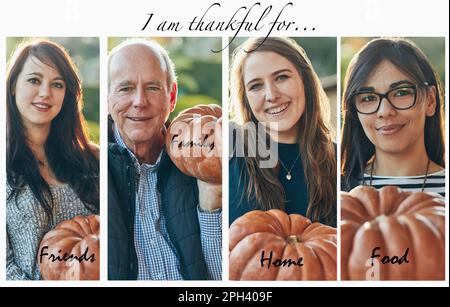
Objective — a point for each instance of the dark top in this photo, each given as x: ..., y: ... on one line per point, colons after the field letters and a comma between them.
x: 179, y: 199
x: 295, y: 189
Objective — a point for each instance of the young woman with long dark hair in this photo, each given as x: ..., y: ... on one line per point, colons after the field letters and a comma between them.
x: 52, y: 168
x: 393, y: 128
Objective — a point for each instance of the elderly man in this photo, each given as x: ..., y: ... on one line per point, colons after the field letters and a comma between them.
x: 162, y: 224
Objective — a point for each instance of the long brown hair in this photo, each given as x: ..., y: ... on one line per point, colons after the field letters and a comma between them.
x: 356, y: 148
x: 316, y: 147
x: 67, y: 148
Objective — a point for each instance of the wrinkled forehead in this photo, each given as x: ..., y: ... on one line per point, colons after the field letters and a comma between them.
x: 135, y: 57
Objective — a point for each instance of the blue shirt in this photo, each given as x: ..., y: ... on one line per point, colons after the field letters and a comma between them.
x: 156, y: 254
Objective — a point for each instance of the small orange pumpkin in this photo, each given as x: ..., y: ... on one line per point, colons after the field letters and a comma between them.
x: 194, y: 142
x: 78, y: 237
x: 289, y: 238
x: 399, y: 223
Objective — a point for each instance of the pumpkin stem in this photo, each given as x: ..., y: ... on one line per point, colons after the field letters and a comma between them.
x: 293, y: 239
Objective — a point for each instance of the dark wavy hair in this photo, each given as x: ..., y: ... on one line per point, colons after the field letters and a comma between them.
x: 357, y: 149
x: 70, y: 156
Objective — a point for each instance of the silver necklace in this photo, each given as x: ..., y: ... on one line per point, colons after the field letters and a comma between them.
x: 288, y: 172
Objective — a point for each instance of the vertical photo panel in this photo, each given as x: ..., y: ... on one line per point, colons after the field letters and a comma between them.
x: 164, y: 159
x: 52, y: 159
x: 393, y: 163
x: 282, y: 169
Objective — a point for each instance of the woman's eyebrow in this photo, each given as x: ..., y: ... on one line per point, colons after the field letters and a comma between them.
x: 366, y: 89
x: 253, y: 80
x: 395, y: 84
x: 280, y: 71
x: 35, y: 74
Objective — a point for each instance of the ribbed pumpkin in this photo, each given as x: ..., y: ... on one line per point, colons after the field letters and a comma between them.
x: 394, y: 221
x: 288, y: 237
x: 72, y: 237
x: 194, y: 142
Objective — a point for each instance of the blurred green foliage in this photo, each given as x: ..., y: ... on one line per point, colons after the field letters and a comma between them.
x: 91, y: 109
x: 188, y: 101
x: 322, y: 51
x: 94, y: 131
x: 85, y: 53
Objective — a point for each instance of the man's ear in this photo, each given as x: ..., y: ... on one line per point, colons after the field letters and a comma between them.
x: 431, y: 101
x: 173, y: 96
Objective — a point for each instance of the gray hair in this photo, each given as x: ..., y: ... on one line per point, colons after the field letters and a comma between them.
x: 156, y: 48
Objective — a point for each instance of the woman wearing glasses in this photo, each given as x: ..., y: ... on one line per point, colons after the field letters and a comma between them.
x: 393, y: 119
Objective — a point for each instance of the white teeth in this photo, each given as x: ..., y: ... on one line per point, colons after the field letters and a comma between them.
x: 41, y: 106
x: 277, y: 109
x: 137, y: 119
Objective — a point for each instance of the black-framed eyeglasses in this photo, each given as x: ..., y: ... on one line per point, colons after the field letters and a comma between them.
x: 400, y: 98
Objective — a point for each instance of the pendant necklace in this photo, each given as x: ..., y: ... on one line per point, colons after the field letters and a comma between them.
x: 288, y: 171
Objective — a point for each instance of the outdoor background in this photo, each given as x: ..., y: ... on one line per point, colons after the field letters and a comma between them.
x: 322, y: 53
x: 198, y: 69
x: 85, y: 53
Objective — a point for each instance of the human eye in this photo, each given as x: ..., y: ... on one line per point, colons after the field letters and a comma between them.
x: 255, y: 86
x: 403, y: 91
x: 366, y: 98
x: 282, y: 77
x: 153, y: 88
x: 58, y: 85
x: 34, y: 81
x: 124, y: 89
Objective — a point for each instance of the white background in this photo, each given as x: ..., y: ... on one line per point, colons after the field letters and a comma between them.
x: 126, y: 18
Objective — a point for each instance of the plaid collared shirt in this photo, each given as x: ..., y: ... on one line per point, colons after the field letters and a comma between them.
x: 156, y: 254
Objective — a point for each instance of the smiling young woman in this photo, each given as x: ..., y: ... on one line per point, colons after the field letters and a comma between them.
x: 276, y: 86
x: 393, y: 119
x: 52, y: 168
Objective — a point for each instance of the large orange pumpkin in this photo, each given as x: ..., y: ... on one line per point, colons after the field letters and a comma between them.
x: 398, y: 223
x: 256, y: 234
x: 194, y: 142
x: 78, y: 237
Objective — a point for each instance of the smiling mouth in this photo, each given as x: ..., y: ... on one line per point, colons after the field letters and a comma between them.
x: 41, y: 106
x: 138, y: 119
x: 389, y: 129
x: 278, y: 109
